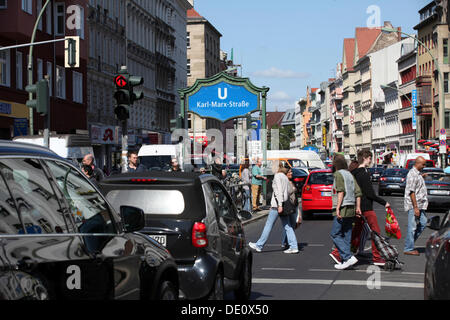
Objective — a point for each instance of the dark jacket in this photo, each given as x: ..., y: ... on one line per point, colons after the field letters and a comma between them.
x: 98, y: 174
x: 140, y: 168
x: 362, y: 177
x: 217, y: 170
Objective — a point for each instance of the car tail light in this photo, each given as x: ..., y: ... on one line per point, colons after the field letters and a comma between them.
x: 383, y: 179
x: 199, y: 239
x: 299, y: 179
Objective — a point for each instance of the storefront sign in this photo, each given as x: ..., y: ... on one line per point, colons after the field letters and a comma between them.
x: 5, y: 108
x: 103, y: 135
x: 20, y: 127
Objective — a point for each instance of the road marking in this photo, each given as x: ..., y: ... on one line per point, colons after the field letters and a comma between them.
x: 278, y: 269
x: 337, y: 282
x: 335, y: 270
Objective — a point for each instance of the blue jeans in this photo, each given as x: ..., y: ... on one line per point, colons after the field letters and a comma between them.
x: 292, y: 219
x: 341, y: 233
x: 271, y: 218
x: 414, y: 229
x: 247, y: 203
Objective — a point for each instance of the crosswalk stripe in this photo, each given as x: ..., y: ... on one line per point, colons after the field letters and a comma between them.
x: 337, y: 282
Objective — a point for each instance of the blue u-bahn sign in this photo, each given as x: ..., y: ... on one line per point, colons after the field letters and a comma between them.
x: 223, y: 97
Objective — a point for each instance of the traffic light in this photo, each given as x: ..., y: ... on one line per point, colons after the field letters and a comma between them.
x: 40, y: 89
x: 176, y: 123
x: 72, y: 52
x: 124, y: 94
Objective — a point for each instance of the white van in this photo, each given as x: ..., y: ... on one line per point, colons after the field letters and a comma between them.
x: 69, y: 146
x: 413, y: 156
x: 158, y: 156
x: 308, y: 157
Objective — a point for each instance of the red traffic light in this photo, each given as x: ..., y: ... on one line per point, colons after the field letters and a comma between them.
x: 121, y: 81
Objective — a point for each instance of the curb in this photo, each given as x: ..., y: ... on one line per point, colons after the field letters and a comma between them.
x: 256, y: 217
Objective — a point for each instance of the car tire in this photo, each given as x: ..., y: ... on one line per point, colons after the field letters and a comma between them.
x: 217, y: 291
x: 167, y: 291
x: 427, y: 291
x: 245, y: 288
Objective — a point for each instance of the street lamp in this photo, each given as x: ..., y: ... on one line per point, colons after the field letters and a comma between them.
x: 441, y: 80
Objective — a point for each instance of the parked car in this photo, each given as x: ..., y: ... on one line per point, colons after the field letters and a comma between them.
x: 438, y: 189
x: 392, y: 181
x: 61, y: 239
x: 194, y: 217
x: 375, y: 173
x: 428, y: 164
x: 317, y: 193
x: 437, y: 251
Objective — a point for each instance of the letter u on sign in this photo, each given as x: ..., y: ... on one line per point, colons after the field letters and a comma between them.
x: 223, y: 97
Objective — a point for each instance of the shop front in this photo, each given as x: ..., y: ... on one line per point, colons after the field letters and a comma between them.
x: 13, y: 120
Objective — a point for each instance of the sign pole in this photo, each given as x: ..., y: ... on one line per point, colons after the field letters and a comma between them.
x: 264, y: 140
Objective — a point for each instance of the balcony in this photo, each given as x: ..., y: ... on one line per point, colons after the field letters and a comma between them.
x: 338, y: 134
x: 424, y: 110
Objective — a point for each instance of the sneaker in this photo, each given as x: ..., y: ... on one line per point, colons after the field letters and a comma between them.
x: 291, y: 251
x: 335, y: 256
x: 379, y: 262
x: 284, y: 247
x: 254, y: 246
x: 350, y: 262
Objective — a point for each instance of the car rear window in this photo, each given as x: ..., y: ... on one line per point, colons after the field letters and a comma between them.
x: 325, y: 178
x: 428, y: 163
x: 395, y: 173
x: 436, y: 176
x: 160, y: 202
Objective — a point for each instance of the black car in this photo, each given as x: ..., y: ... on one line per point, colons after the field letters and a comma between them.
x: 438, y: 189
x: 392, y: 181
x: 194, y: 217
x: 375, y: 173
x: 299, y: 177
x: 60, y: 239
x: 437, y: 251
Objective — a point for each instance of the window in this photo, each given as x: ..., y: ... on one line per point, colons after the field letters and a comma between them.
x: 19, y: 70
x: 447, y: 119
x: 36, y: 201
x: 50, y: 79
x: 80, y: 32
x: 60, y: 82
x: 224, y: 209
x: 445, y: 82
x: 3, y: 4
x: 48, y: 19
x: 188, y: 40
x: 188, y: 68
x: 60, y: 18
x: 38, y: 11
x: 9, y: 219
x: 40, y: 69
x: 27, y: 6
x: 5, y: 68
x: 77, y: 87
x: 445, y: 51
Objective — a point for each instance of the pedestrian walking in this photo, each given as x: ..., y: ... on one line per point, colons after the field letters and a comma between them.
x: 257, y: 182
x: 415, y: 203
x: 346, y: 205
x: 133, y: 165
x: 362, y: 177
x: 295, y: 220
x: 89, y: 173
x: 97, y: 172
x: 280, y: 194
x: 217, y: 169
x: 246, y: 178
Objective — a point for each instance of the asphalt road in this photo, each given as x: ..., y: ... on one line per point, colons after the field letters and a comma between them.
x: 311, y: 273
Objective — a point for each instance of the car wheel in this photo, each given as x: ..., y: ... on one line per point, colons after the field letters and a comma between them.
x: 217, y: 291
x: 167, y: 291
x: 427, y: 291
x: 245, y: 287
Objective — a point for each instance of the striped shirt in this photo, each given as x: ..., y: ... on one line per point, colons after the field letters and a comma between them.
x: 416, y: 184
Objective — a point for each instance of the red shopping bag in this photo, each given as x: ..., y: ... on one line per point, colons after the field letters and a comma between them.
x: 392, y: 227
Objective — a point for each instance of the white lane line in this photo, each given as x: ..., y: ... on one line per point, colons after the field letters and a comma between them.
x: 337, y: 282
x: 278, y: 269
x: 365, y: 271
x: 307, y: 245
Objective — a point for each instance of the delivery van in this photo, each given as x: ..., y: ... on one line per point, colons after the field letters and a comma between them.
x: 157, y: 157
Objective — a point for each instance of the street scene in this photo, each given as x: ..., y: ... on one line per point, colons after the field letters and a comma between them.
x: 191, y: 150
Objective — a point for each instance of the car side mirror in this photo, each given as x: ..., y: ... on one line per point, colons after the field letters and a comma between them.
x: 132, y: 218
x: 435, y: 223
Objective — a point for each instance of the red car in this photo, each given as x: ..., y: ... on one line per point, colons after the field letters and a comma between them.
x: 317, y: 192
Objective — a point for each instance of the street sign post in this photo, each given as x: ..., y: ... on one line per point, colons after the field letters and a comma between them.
x: 442, y: 141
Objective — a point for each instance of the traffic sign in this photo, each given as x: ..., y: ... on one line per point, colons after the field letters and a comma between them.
x: 443, y: 143
x: 443, y: 132
x: 121, y: 81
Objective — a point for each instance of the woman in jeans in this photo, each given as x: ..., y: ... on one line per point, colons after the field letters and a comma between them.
x: 295, y: 219
x: 280, y: 186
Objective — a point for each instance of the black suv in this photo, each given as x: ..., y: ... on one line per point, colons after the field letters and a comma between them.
x: 60, y: 239
x: 194, y: 217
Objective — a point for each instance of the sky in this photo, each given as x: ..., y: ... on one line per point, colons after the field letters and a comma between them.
x: 287, y: 45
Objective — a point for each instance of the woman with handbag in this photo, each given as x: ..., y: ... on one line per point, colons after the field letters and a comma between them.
x: 295, y: 219
x: 280, y: 207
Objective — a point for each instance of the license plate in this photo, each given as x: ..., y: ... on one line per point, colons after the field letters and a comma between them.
x: 326, y: 194
x: 440, y: 192
x: 161, y: 239
x: 393, y: 186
